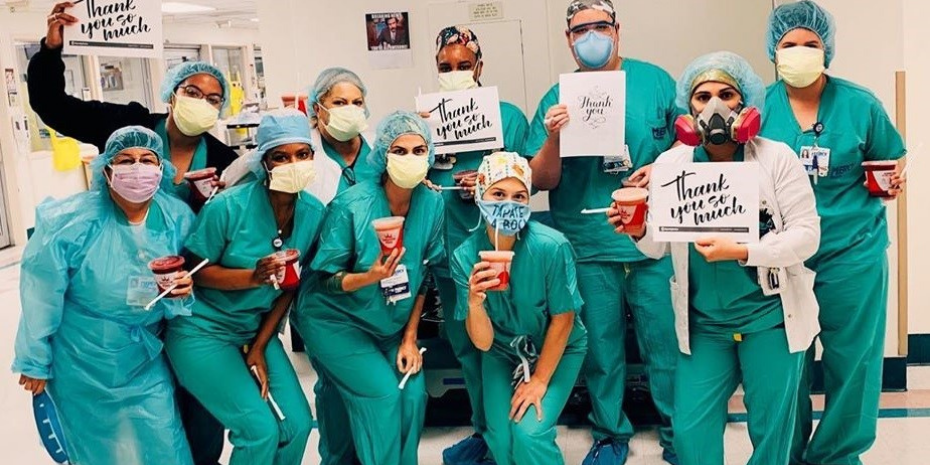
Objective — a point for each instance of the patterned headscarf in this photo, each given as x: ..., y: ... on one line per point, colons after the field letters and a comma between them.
x: 458, y: 35
x: 499, y: 166
x: 580, y: 5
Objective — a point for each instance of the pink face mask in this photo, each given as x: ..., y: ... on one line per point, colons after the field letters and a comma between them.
x: 136, y: 183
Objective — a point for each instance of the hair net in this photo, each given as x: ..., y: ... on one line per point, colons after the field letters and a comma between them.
x: 458, y: 35
x: 724, y: 67
x: 580, y: 5
x: 132, y: 137
x: 279, y: 127
x: 179, y: 73
x: 393, y: 126
x: 805, y: 14
x: 325, y: 82
x: 499, y: 166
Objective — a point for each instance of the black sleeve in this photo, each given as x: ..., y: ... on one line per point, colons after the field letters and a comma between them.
x: 90, y: 122
x: 219, y: 155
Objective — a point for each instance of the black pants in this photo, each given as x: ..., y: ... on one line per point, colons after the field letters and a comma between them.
x: 204, y: 433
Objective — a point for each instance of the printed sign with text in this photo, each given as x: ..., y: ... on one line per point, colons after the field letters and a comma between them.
x: 121, y: 28
x: 688, y: 201
x: 464, y: 121
x: 596, y: 104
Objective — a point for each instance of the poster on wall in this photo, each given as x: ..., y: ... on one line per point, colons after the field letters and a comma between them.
x: 597, y: 114
x: 121, y: 28
x: 464, y: 121
x: 688, y: 201
x: 12, y: 94
x: 389, y: 40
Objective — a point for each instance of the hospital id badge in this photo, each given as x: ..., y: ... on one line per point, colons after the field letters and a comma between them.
x: 397, y: 287
x: 618, y: 164
x: 822, y: 156
x: 140, y: 291
x: 807, y: 159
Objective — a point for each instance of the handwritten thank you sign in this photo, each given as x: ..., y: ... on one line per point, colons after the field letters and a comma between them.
x: 464, y: 121
x: 124, y: 28
x: 693, y: 200
x: 596, y: 104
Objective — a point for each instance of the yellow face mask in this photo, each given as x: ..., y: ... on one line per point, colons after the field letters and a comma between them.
x: 292, y: 177
x: 407, y: 171
x: 800, y: 67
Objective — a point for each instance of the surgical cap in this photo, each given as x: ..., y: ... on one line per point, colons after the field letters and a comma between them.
x: 179, y: 73
x: 132, y: 137
x: 499, y: 166
x: 460, y: 35
x: 393, y: 126
x: 328, y: 79
x: 807, y: 15
x: 279, y: 127
x: 580, y: 5
x: 726, y: 67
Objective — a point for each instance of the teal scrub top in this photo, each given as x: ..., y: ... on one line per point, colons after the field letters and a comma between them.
x: 856, y: 128
x: 235, y: 230
x: 726, y: 297
x: 463, y: 215
x: 361, y: 170
x: 650, y: 130
x: 542, y: 284
x: 199, y: 162
x: 349, y: 243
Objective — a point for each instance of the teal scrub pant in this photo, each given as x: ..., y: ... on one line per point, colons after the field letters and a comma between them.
x: 465, y: 351
x: 336, y: 446
x: 706, y: 379
x: 385, y: 422
x: 853, y: 310
x: 529, y: 442
x: 214, y: 371
x: 608, y: 290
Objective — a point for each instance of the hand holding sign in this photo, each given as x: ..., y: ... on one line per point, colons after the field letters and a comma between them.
x: 57, y: 20
x: 720, y: 249
x: 129, y: 28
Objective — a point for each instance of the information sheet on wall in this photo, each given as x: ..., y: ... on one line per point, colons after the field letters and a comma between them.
x: 121, y: 28
x: 464, y: 121
x: 596, y: 104
x: 689, y: 201
x: 389, y: 40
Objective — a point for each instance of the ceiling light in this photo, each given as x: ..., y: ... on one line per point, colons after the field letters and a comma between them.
x: 254, y: 20
x: 172, y: 8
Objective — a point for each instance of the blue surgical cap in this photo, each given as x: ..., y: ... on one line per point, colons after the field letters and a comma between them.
x: 393, y: 126
x: 179, y: 73
x: 279, y: 127
x: 807, y: 15
x: 132, y: 137
x: 325, y: 82
x: 724, y: 67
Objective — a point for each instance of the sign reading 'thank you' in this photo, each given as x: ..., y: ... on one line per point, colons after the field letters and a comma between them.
x: 464, y: 121
x: 123, y: 28
x: 689, y: 201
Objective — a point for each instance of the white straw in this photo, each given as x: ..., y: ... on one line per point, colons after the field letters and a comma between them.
x: 216, y: 188
x: 274, y: 281
x: 453, y: 188
x: 594, y: 211
x: 403, y: 382
x: 168, y: 291
x: 274, y: 405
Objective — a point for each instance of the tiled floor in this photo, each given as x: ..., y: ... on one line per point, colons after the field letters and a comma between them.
x: 900, y: 442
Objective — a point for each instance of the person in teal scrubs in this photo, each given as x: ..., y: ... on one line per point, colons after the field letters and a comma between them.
x: 745, y: 313
x: 85, y: 334
x: 359, y: 308
x: 525, y: 388
x: 227, y: 354
x: 613, y: 277
x: 458, y: 61
x: 843, y: 125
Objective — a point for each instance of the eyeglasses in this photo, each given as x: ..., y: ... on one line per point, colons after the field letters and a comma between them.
x: 193, y: 91
x: 151, y: 160
x: 603, y: 27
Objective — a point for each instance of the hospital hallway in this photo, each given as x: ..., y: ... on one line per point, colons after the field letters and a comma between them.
x: 902, y: 436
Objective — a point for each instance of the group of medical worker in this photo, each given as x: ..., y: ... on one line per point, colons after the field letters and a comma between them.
x: 160, y: 385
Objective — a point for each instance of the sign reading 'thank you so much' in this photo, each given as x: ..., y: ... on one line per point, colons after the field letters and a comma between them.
x: 689, y: 201
x: 464, y: 121
x: 124, y: 28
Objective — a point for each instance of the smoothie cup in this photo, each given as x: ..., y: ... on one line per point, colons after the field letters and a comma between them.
x: 461, y: 176
x: 878, y: 176
x: 390, y: 232
x: 631, y: 201
x: 166, y: 270
x: 289, y: 277
x: 500, y: 261
x: 201, y: 183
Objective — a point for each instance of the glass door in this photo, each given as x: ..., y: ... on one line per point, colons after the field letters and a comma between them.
x: 125, y: 80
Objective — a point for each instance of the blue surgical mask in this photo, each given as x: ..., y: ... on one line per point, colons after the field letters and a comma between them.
x: 507, y: 217
x: 594, y: 50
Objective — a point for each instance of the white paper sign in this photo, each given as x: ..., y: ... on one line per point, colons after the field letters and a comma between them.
x: 122, y: 28
x: 688, y: 201
x: 464, y: 121
x: 597, y: 113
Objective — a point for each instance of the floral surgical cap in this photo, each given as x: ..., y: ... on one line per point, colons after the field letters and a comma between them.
x: 458, y: 35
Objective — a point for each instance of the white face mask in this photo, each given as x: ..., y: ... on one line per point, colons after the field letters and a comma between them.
x: 800, y: 67
x: 292, y: 177
x: 407, y: 171
x: 457, y: 80
x: 345, y: 122
x: 193, y: 116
